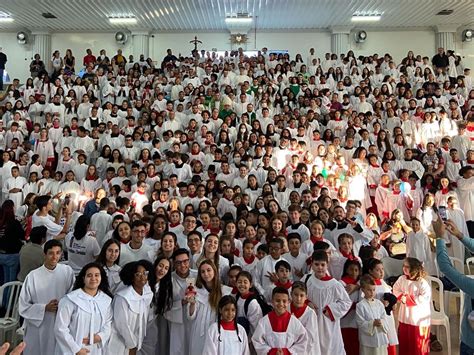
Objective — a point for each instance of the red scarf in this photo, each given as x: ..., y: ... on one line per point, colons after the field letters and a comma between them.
x: 349, y: 255
x: 378, y: 282
x: 349, y: 280
x: 470, y: 161
x: 173, y: 225
x: 456, y: 161
x: 315, y: 239
x: 244, y: 297
x: 385, y: 185
x: 297, y: 311
x: 90, y: 178
x: 287, y: 285
x: 375, y: 165
x: 249, y: 260
x: 140, y: 193
x: 279, y: 323
x: 228, y: 325
x: 396, y: 192
x: 326, y: 278
x: 444, y: 191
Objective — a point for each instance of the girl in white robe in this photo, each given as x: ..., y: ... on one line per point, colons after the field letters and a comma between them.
x: 376, y: 270
x: 226, y: 337
x: 153, y: 342
x: 202, y: 308
x: 131, y: 306
x: 84, y: 316
x: 109, y: 258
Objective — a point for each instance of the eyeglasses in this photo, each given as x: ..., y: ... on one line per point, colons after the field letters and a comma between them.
x: 181, y: 262
x: 140, y: 274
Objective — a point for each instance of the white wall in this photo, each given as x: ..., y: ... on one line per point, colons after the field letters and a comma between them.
x: 398, y: 43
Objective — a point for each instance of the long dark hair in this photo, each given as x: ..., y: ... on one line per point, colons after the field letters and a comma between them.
x: 7, y: 212
x: 164, y: 297
x: 224, y: 301
x: 101, y: 259
x: 80, y: 229
x: 104, y: 281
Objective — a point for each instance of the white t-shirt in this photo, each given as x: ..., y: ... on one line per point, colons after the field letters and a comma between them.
x: 127, y: 254
x: 81, y: 252
x: 48, y: 221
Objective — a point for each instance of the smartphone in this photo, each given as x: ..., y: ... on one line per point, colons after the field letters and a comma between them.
x: 67, y: 199
x: 442, y: 213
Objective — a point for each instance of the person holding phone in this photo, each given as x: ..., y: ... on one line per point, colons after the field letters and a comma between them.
x: 463, y: 282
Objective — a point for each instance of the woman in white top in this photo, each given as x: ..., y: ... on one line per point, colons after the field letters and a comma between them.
x: 84, y: 317
x: 157, y: 335
x: 81, y: 245
x: 109, y: 258
x: 131, y: 307
x: 202, y: 304
x: 210, y: 251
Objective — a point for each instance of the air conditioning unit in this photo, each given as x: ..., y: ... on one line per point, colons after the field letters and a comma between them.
x: 467, y: 35
x: 360, y: 36
x: 121, y: 37
x: 22, y: 37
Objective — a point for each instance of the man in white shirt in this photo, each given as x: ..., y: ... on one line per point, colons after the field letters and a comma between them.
x: 43, y: 218
x: 39, y: 299
x: 135, y: 249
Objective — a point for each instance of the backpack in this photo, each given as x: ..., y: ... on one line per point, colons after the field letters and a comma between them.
x: 264, y: 306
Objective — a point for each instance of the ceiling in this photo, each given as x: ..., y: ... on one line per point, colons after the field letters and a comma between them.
x: 173, y: 15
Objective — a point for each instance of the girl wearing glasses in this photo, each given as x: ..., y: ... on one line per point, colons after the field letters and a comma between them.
x: 131, y: 307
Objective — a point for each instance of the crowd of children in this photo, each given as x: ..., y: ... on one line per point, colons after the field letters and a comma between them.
x: 234, y: 205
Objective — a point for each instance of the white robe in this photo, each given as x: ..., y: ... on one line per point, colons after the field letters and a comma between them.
x: 295, y: 338
x: 372, y: 337
x: 202, y: 319
x: 420, y: 291
x: 79, y: 316
x: 14, y: 183
x: 35, y: 294
x: 309, y: 320
x: 130, y: 319
x: 329, y: 294
x: 227, y: 342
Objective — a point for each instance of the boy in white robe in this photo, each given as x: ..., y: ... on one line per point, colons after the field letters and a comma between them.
x: 13, y: 187
x: 331, y: 302
x: 39, y: 301
x: 371, y: 320
x: 279, y: 332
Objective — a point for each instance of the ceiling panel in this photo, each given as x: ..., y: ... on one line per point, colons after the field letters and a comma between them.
x: 174, y: 15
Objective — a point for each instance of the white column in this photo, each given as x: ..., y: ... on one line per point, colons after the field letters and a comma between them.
x: 42, y: 46
x: 140, y: 43
x: 445, y: 37
x: 340, y: 39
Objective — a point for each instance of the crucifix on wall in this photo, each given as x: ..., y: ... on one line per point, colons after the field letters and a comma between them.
x: 195, y: 41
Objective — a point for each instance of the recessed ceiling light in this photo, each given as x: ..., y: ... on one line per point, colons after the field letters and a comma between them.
x: 6, y: 19
x: 122, y: 20
x: 238, y: 20
x: 366, y: 18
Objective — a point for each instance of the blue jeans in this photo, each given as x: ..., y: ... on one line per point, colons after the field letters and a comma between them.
x: 9, y: 264
x: 1, y: 79
x: 465, y: 350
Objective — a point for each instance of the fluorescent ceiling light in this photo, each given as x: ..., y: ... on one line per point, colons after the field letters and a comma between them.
x: 366, y: 18
x: 6, y: 19
x: 238, y: 20
x: 123, y: 20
